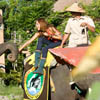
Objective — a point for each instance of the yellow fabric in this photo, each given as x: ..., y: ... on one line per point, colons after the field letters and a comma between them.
x: 48, y: 60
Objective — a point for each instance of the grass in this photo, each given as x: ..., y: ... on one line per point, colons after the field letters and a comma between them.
x: 11, y: 91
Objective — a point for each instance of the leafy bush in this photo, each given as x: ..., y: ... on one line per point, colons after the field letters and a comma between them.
x: 19, y: 22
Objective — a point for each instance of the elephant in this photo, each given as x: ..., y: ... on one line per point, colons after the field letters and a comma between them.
x: 61, y: 76
x: 13, y: 49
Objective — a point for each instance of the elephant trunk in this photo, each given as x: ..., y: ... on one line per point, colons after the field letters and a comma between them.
x: 13, y: 49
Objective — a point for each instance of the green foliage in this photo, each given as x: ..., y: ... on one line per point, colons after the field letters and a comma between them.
x: 13, y: 75
x: 3, y: 4
x: 20, y: 16
x: 19, y: 21
x: 93, y: 10
x: 11, y: 92
x: 95, y: 93
x: 59, y: 20
x: 12, y: 78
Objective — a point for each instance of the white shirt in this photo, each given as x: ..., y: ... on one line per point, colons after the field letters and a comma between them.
x: 79, y: 35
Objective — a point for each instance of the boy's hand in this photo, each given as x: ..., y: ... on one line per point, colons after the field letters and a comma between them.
x: 83, y: 24
x: 19, y: 50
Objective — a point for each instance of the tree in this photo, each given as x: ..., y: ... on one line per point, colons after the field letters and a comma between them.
x: 93, y: 10
x: 19, y: 17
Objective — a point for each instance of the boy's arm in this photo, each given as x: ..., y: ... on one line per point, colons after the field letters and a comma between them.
x: 29, y: 41
x: 65, y: 37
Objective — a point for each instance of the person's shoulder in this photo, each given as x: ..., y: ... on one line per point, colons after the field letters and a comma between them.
x: 70, y: 19
x: 87, y: 17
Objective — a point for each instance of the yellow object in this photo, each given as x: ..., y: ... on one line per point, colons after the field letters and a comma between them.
x: 26, y: 99
x: 53, y: 89
x: 49, y: 59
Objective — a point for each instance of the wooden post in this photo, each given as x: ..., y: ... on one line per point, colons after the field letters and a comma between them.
x: 2, y: 58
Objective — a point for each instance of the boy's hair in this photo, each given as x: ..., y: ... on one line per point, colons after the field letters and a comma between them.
x: 43, y: 24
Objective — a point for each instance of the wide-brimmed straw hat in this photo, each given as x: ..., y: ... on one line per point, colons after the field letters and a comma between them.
x: 75, y: 8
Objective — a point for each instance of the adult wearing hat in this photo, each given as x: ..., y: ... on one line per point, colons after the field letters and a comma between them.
x: 77, y: 27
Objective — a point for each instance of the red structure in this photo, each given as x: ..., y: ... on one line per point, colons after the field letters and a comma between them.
x: 72, y: 55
